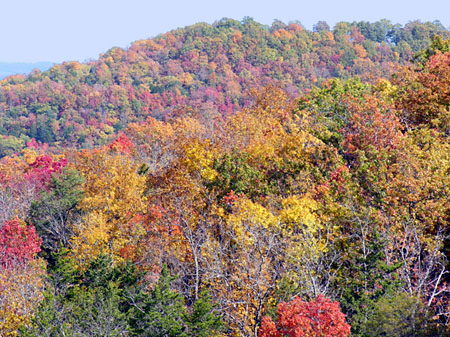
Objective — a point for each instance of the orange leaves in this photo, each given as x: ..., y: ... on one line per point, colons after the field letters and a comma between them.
x: 319, y: 318
x: 373, y: 124
x: 237, y: 36
x: 424, y: 95
x: 360, y: 51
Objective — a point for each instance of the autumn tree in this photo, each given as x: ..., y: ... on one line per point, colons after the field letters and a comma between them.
x: 320, y: 317
x: 21, y: 286
x: 111, y: 205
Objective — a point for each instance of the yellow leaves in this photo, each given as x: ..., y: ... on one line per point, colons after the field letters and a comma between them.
x: 254, y: 238
x: 112, y: 200
x: 250, y: 216
x: 387, y: 90
x: 301, y: 226
x: 298, y: 146
x: 297, y: 222
x: 299, y: 210
x: 21, y: 290
x: 30, y: 155
x: 418, y: 181
x: 260, y: 127
x: 199, y: 159
x: 186, y: 79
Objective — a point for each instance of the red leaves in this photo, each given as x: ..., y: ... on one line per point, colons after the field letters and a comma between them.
x: 268, y: 328
x: 42, y: 169
x: 122, y: 144
x: 19, y: 243
x: 231, y: 198
x: 320, y: 317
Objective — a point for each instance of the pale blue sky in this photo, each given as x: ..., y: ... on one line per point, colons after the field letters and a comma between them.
x: 63, y: 30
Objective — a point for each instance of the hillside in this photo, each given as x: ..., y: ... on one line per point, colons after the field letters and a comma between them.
x: 205, y: 68
x: 324, y: 212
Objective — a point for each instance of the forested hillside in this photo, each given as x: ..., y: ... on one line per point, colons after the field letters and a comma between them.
x: 204, y: 68
x: 238, y: 203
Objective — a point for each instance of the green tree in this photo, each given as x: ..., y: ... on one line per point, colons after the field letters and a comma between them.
x: 161, y: 313
x: 89, y: 302
x: 402, y: 315
x: 55, y: 212
x: 369, y: 279
x: 204, y: 320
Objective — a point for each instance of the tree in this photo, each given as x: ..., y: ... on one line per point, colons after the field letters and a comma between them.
x: 19, y: 243
x: 21, y: 285
x: 204, y: 319
x: 21, y: 291
x: 54, y: 213
x: 90, y: 302
x: 423, y: 94
x: 404, y: 316
x: 161, y: 314
x: 111, y: 206
x: 320, y: 317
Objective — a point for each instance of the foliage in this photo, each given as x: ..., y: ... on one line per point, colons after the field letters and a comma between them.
x: 402, y: 315
x: 206, y: 68
x: 259, y: 202
x: 54, y: 213
x: 111, y: 205
x: 320, y: 317
x: 20, y: 275
x: 19, y: 243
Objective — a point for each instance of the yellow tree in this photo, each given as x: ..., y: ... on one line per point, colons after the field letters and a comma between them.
x: 21, y: 290
x: 113, y: 204
x: 242, y: 259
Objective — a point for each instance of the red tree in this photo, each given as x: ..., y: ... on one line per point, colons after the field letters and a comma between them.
x: 319, y: 318
x: 41, y: 170
x: 19, y: 243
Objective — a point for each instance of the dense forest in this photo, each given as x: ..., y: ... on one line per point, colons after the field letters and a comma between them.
x: 203, y: 68
x: 232, y: 180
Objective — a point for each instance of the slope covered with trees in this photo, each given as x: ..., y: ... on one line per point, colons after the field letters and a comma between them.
x: 204, y: 68
x: 326, y: 214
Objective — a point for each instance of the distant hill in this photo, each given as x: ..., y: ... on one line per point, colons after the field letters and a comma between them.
x: 203, y: 69
x: 8, y: 68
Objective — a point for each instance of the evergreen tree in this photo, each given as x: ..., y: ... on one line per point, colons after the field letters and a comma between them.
x: 204, y: 320
x: 161, y: 314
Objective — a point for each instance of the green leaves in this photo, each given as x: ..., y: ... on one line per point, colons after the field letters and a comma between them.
x: 159, y: 313
x: 204, y: 319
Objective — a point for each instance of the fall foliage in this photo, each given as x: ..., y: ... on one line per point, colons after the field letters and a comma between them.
x: 231, y: 180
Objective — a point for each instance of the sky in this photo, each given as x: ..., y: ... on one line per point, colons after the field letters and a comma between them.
x: 68, y: 30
